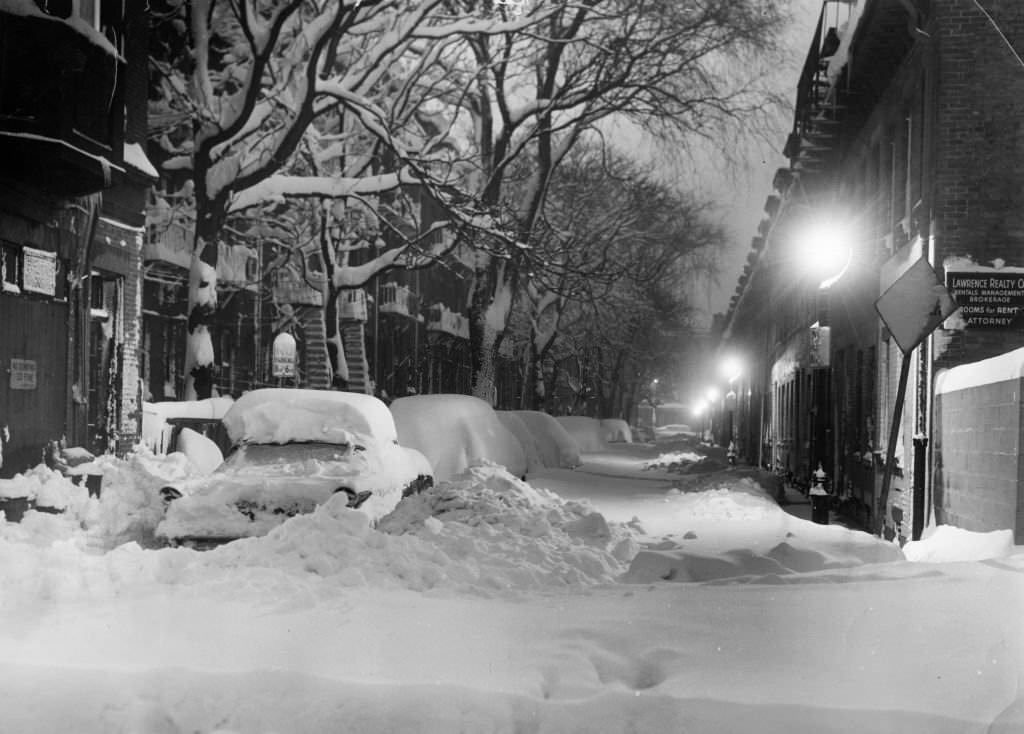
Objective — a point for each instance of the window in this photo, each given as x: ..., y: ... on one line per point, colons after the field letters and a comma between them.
x: 89, y: 11
x: 10, y: 265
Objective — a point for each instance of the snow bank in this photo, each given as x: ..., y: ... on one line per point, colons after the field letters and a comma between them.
x: 546, y: 438
x: 456, y: 431
x: 516, y: 535
x: 280, y: 415
x: 617, y: 431
x: 804, y: 546
x: 802, y: 552
x: 946, y: 543
x: 588, y: 433
x: 127, y: 510
x: 674, y: 460
x: 483, y: 531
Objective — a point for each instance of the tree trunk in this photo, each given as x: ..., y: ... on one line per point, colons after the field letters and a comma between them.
x: 202, y: 306
x: 490, y: 306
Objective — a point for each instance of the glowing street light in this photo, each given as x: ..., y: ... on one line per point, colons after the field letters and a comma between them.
x: 731, y: 369
x: 824, y: 246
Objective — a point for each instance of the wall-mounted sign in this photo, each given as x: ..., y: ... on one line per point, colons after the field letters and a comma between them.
x: 284, y: 356
x: 988, y: 299
x: 39, y: 271
x: 23, y: 374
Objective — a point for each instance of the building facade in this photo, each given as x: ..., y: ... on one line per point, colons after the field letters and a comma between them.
x: 72, y: 121
x: 907, y: 141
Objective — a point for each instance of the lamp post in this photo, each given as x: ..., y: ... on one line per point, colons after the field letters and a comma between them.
x: 654, y: 407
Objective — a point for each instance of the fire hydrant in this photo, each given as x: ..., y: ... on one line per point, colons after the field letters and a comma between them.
x: 820, y: 498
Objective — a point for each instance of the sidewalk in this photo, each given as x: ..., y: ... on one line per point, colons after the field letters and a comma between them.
x: 798, y: 504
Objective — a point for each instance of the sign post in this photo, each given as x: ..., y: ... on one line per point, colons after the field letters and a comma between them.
x: 911, y: 309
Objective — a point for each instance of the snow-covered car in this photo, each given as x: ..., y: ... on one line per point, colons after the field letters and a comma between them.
x: 293, y: 450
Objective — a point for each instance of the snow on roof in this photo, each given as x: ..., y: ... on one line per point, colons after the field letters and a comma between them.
x: 1009, y: 366
x: 282, y: 415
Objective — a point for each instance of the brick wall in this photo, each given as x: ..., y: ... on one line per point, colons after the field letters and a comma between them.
x: 978, y: 176
x: 119, y: 250
x: 978, y: 469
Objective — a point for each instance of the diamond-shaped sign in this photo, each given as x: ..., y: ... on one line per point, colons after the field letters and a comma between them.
x: 915, y: 305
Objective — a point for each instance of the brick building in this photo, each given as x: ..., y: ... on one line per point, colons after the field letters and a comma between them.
x: 72, y: 120
x: 906, y: 133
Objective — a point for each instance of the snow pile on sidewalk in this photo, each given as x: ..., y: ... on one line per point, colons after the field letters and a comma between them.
x: 948, y: 544
x: 673, y: 461
x: 803, y: 547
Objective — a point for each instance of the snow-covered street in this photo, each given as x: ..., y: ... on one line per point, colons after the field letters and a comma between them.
x: 492, y: 605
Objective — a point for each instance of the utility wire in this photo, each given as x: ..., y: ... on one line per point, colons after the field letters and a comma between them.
x: 1000, y: 32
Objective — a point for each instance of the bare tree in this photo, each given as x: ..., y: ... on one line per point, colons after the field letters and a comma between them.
x: 241, y: 90
x: 629, y: 323
x: 678, y: 69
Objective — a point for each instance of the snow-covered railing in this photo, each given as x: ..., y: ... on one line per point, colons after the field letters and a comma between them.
x: 441, y: 319
x: 352, y: 305
x: 289, y: 287
x: 172, y: 242
x: 399, y: 299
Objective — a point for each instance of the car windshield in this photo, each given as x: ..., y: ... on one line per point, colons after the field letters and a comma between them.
x: 289, y: 458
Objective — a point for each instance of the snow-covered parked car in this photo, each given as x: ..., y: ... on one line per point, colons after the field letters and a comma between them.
x: 455, y: 432
x: 293, y: 450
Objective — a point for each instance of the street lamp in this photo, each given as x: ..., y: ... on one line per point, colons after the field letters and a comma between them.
x: 824, y: 245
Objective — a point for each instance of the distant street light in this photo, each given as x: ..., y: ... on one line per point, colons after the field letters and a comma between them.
x: 731, y: 368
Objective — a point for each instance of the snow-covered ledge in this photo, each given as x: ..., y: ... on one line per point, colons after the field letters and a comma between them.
x: 1009, y: 366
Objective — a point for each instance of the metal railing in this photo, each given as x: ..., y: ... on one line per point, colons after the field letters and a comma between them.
x: 352, y: 305
x: 399, y: 299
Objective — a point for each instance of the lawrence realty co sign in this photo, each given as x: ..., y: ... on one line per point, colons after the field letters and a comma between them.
x: 988, y: 299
